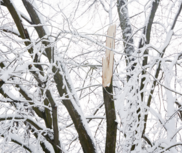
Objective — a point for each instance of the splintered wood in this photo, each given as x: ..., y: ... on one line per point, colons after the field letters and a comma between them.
x: 108, y: 60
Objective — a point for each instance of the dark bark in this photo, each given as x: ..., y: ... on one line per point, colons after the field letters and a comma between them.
x: 24, y: 35
x: 147, y: 32
x: 40, y: 29
x: 159, y: 65
x: 111, y: 119
x: 126, y: 34
x: 84, y: 137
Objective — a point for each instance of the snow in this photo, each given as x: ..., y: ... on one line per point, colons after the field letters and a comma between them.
x: 74, y: 100
x: 49, y: 146
x: 41, y: 19
x: 127, y: 94
x: 170, y: 99
x: 27, y: 18
x: 68, y: 83
x: 167, y: 41
x: 95, y: 117
x: 4, y: 27
x: 16, y: 138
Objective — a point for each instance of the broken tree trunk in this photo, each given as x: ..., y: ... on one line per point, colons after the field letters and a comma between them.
x: 108, y: 60
x: 107, y: 64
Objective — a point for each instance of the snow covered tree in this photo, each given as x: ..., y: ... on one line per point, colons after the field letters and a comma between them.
x: 62, y: 91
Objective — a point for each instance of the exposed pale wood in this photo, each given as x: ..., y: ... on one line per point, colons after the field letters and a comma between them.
x: 108, y: 60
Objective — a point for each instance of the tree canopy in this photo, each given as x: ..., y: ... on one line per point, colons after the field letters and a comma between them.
x: 90, y: 76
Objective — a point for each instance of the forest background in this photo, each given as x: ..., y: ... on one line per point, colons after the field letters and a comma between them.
x: 51, y: 95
